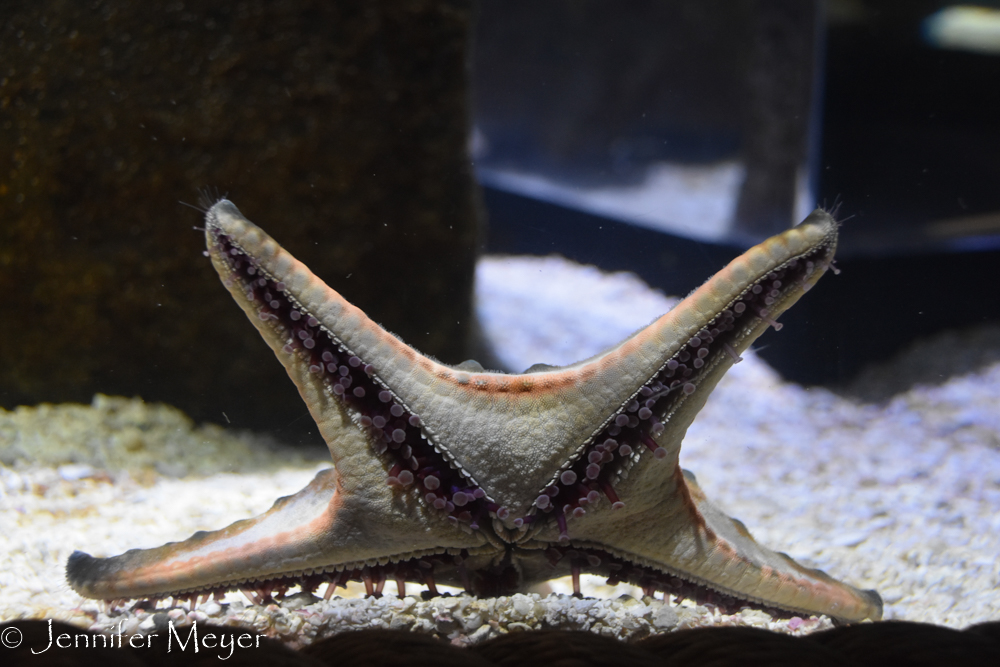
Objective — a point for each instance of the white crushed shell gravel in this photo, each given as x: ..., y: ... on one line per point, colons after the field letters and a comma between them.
x: 903, y: 497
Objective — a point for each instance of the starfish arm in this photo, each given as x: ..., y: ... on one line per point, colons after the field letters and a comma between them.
x: 352, y: 374
x: 679, y: 533
x: 243, y: 254
x: 737, y: 563
x: 315, y: 531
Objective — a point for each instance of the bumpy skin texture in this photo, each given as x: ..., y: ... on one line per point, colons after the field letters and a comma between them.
x: 489, y: 480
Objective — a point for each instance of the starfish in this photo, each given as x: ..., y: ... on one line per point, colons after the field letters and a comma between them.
x: 488, y: 480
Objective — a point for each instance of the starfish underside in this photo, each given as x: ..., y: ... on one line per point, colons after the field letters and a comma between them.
x: 490, y: 481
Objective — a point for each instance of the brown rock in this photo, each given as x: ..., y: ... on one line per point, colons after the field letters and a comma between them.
x: 339, y: 127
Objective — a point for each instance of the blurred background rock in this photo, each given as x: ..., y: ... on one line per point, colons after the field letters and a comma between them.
x: 340, y: 128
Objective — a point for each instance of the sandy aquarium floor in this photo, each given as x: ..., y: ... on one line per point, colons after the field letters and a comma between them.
x: 902, y: 496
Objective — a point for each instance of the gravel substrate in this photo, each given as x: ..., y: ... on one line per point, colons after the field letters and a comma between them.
x: 902, y: 497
